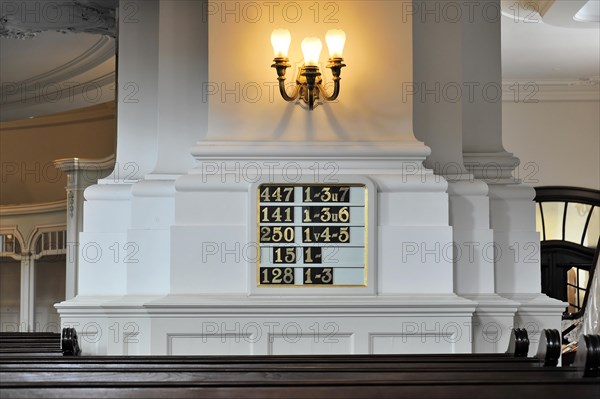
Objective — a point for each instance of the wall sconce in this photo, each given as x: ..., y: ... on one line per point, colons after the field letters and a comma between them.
x: 309, y: 82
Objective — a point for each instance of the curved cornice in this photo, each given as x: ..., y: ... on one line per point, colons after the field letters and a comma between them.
x: 75, y: 73
x: 535, y: 91
x: 72, y: 164
x: 69, y: 90
x: 28, y: 209
x: 100, y: 51
x: 89, y: 114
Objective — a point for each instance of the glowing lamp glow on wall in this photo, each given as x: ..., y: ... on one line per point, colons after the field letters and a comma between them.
x: 309, y: 85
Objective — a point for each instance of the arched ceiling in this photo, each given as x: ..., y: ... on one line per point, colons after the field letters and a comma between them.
x: 554, y: 44
x: 56, y: 56
x: 542, y: 40
x: 61, y: 56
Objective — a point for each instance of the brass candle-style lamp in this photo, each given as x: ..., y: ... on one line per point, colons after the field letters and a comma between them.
x: 309, y: 85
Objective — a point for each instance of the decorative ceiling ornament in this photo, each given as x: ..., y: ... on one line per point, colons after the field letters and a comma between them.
x: 25, y: 19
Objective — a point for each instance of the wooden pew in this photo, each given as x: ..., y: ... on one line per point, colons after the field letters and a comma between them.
x: 293, y: 384
x: 30, y: 344
x: 36, y: 344
x: 354, y: 376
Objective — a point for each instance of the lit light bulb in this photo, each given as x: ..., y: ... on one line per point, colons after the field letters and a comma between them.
x: 281, y: 39
x: 311, y: 48
x: 336, y: 39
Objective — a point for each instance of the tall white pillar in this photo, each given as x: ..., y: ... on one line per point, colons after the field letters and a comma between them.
x: 512, y: 210
x: 81, y: 173
x: 163, y: 285
x: 27, y: 318
x: 105, y: 248
x: 182, y: 74
x: 137, y: 76
x: 444, y: 63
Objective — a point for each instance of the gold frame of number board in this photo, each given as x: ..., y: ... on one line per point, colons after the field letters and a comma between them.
x: 366, y: 238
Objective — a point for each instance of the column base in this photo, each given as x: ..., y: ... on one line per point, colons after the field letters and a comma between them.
x: 492, y: 322
x: 239, y: 325
x: 537, y: 312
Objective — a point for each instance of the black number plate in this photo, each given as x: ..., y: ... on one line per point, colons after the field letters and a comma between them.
x: 326, y: 194
x: 326, y: 234
x: 277, y: 275
x: 318, y: 275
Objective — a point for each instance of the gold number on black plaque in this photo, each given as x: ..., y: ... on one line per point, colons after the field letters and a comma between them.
x: 307, y: 195
x: 344, y: 214
x: 276, y: 234
x: 344, y: 193
x: 307, y: 218
x: 318, y: 275
x: 288, y: 191
x: 325, y: 215
x: 307, y: 279
x: 344, y: 234
x: 308, y: 255
x: 326, y: 277
x: 326, y: 194
x: 277, y: 214
x: 307, y: 235
x: 288, y: 275
x: 265, y: 233
x: 280, y: 194
x: 288, y: 257
x: 278, y: 276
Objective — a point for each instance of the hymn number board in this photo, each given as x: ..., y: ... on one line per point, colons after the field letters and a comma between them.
x: 312, y: 235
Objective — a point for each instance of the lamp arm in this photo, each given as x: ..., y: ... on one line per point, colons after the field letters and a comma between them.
x: 336, y: 90
x: 336, y: 65
x: 283, y: 91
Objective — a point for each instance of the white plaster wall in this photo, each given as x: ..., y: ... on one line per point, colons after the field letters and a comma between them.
x: 558, y: 142
x: 244, y: 101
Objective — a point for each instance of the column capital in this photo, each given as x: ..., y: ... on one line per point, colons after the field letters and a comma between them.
x: 492, y: 167
x: 83, y: 172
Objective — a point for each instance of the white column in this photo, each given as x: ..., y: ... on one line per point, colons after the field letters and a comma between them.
x: 182, y: 77
x: 27, y: 319
x: 182, y: 35
x: 103, y: 268
x: 169, y: 288
x: 443, y: 75
x: 81, y: 173
x: 137, y: 78
x: 512, y: 210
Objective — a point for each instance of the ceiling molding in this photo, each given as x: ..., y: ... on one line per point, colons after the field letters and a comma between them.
x: 97, y: 112
x: 99, y: 52
x: 25, y: 19
x: 532, y: 91
x: 61, y: 98
x: 79, y: 73
x: 56, y: 90
x: 74, y: 164
x: 28, y: 209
